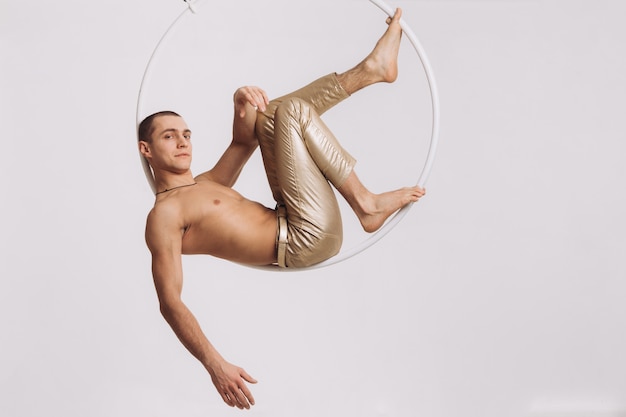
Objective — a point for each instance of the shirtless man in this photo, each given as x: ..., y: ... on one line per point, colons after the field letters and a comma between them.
x: 204, y: 215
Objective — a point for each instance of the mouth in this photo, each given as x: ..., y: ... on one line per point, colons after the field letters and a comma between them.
x: 184, y: 155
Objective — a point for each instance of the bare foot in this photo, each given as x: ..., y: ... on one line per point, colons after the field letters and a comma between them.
x: 383, y: 60
x: 373, y: 209
x: 381, y: 65
x: 378, y: 207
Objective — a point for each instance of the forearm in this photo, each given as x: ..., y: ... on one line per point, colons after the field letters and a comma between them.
x: 188, y: 331
x: 247, y: 100
x: 229, y: 166
x: 244, y: 127
x: 229, y: 380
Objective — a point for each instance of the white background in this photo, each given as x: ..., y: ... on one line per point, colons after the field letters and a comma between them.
x: 500, y: 294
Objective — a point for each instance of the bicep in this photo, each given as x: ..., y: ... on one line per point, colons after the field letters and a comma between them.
x: 165, y: 244
x: 167, y: 273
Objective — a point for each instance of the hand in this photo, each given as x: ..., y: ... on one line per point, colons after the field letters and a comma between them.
x: 229, y: 381
x: 253, y: 96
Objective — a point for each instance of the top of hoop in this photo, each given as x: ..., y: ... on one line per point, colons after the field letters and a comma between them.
x: 190, y: 5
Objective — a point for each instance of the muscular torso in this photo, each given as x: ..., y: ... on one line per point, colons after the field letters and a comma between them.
x: 216, y: 220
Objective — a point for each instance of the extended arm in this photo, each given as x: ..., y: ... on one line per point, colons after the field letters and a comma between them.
x: 165, y: 245
x: 229, y: 166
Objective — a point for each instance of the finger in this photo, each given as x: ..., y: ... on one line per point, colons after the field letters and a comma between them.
x: 242, y: 401
x: 248, y: 96
x: 258, y: 99
x: 233, y: 399
x: 248, y: 99
x: 247, y: 394
x: 262, y: 104
x: 244, y: 388
x: 266, y: 100
x: 227, y: 399
x: 247, y: 377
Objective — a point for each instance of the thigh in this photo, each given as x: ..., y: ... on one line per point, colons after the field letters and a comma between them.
x: 315, y: 230
x: 321, y: 94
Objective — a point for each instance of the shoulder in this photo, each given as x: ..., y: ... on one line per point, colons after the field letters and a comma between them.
x: 163, y: 224
x: 164, y: 214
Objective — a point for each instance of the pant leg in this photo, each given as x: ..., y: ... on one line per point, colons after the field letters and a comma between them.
x: 321, y: 94
x: 308, y: 157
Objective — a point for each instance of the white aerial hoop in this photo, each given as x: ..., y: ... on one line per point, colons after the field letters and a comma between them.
x: 434, y: 137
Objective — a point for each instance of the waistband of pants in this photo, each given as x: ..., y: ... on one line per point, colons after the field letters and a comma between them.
x: 281, y: 236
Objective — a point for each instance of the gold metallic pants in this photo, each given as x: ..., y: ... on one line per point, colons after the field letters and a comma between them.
x: 301, y: 156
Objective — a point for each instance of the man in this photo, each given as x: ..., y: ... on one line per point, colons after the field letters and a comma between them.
x: 301, y: 156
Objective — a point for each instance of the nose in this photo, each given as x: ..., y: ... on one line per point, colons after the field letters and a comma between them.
x: 182, y: 142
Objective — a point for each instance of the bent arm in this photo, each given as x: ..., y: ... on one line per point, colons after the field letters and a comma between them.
x: 229, y: 166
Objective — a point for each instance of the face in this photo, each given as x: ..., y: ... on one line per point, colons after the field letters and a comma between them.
x: 170, y: 148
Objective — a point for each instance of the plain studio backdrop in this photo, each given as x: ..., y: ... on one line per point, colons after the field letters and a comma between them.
x: 500, y: 294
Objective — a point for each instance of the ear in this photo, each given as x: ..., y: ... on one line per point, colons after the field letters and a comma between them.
x: 144, y: 149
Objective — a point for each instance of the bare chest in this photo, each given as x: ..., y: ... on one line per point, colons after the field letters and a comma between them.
x: 224, y: 224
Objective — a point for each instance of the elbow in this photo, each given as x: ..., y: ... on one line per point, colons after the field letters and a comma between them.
x: 168, y: 308
x: 164, y: 308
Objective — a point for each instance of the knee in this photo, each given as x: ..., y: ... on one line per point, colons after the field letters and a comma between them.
x: 293, y: 107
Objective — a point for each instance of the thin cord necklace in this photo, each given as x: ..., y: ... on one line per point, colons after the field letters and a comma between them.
x: 173, y: 188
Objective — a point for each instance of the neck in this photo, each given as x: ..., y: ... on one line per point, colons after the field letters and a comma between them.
x: 171, y: 181
x: 174, y: 188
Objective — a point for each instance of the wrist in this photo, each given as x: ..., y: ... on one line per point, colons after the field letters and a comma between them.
x: 212, y: 360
